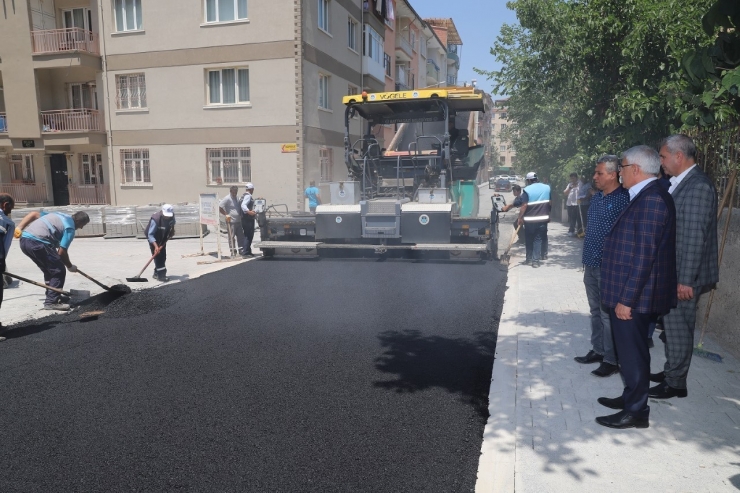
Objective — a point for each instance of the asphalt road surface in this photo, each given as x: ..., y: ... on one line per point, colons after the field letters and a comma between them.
x: 274, y: 375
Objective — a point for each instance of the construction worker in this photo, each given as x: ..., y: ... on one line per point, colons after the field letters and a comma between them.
x: 231, y: 208
x: 7, y: 231
x: 534, y: 214
x: 313, y: 195
x: 248, y: 215
x: 45, y: 239
x: 517, y: 191
x: 161, y: 228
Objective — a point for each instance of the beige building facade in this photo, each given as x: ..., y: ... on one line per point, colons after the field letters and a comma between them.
x: 134, y: 102
x: 500, y: 126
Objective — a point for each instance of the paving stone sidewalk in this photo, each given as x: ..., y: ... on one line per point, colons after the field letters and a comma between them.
x: 542, y: 437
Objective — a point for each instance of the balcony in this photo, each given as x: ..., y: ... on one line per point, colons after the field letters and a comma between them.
x: 89, y: 195
x: 65, y: 41
x: 402, y: 79
x: 375, y: 69
x: 3, y: 123
x: 404, y: 50
x: 25, y: 193
x: 453, y: 58
x: 80, y: 120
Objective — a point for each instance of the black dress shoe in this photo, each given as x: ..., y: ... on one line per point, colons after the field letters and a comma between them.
x: 616, y: 403
x: 651, y: 344
x: 665, y: 391
x: 657, y: 377
x: 605, y: 370
x: 662, y: 336
x: 591, y: 357
x: 622, y: 420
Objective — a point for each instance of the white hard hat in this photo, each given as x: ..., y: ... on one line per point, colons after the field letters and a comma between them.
x: 531, y: 175
x: 250, y: 186
x: 168, y: 210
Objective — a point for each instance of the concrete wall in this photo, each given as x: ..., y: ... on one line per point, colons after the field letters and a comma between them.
x: 724, y: 316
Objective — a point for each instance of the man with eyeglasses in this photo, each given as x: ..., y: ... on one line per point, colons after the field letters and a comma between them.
x: 697, y: 259
x: 638, y: 281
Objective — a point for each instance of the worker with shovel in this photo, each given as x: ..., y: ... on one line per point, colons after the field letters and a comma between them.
x: 230, y: 207
x: 45, y: 239
x: 160, y: 229
x: 7, y: 230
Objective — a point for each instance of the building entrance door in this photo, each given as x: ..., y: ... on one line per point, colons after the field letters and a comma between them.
x: 59, y: 179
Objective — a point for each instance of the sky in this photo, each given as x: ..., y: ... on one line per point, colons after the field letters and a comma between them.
x: 478, y: 22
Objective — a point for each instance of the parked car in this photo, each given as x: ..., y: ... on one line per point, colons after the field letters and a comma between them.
x: 503, y: 185
x: 512, y: 180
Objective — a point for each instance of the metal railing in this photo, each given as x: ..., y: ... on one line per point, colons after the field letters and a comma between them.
x: 65, y: 40
x: 25, y: 192
x: 89, y: 194
x: 432, y: 71
x: 81, y: 120
x: 405, y: 45
x: 3, y: 123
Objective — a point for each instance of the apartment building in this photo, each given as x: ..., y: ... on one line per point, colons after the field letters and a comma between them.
x: 500, y: 125
x: 447, y: 33
x: 143, y: 101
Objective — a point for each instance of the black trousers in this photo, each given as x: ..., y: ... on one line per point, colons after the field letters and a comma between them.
x: 535, y: 236
x: 248, y: 227
x: 46, y: 258
x: 574, y: 219
x: 633, y: 355
x: 159, y: 260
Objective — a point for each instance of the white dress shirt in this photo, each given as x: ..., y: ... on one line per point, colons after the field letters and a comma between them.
x: 676, y: 180
x: 637, y: 188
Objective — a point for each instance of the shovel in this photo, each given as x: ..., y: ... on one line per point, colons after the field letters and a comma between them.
x: 118, y: 288
x: 76, y: 294
x: 506, y: 258
x: 138, y: 277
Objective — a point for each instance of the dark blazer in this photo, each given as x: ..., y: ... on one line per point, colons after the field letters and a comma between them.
x: 696, y: 230
x: 638, y: 266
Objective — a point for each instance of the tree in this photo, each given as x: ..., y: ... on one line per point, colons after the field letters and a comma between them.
x: 588, y: 77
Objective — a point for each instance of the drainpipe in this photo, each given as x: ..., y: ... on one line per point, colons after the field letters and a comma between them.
x: 109, y: 127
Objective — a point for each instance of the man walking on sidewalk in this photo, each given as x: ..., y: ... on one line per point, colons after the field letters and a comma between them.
x: 46, y: 239
x: 696, y: 254
x: 571, y: 203
x: 638, y: 281
x: 160, y: 229
x: 534, y: 214
x: 232, y: 210
x: 606, y: 206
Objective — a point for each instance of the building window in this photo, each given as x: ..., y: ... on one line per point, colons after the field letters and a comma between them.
x: 324, y: 92
x: 503, y: 116
x: 503, y: 127
x: 83, y: 96
x: 228, y: 86
x: 412, y: 39
x: 130, y: 91
x: 423, y: 46
x: 493, y: 126
x: 135, y: 166
x: 324, y: 15
x: 502, y: 159
x: 128, y: 15
x: 513, y: 160
x: 22, y: 168
x: 372, y: 44
x: 352, y: 90
x: 92, y: 169
x: 387, y: 65
x: 225, y: 10
x: 352, y: 34
x: 326, y: 161
x: 229, y: 165
x: 502, y: 148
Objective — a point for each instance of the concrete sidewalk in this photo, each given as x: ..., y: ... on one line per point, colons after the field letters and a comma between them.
x: 542, y: 437
x: 110, y: 262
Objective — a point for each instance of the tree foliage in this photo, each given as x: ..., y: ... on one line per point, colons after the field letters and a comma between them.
x: 588, y: 77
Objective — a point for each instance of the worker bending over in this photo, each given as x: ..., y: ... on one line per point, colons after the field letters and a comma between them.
x: 45, y: 239
x: 7, y: 230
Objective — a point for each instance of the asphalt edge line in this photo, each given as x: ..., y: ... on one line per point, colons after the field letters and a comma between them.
x: 496, y: 467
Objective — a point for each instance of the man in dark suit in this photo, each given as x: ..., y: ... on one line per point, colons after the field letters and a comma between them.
x: 638, y: 280
x: 696, y: 259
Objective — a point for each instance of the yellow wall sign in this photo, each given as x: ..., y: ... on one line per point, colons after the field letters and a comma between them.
x: 289, y: 148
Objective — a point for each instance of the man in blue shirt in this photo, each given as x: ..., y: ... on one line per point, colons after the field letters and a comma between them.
x: 606, y: 206
x: 46, y: 239
x: 314, y: 197
x: 161, y: 228
x: 534, y: 214
x: 7, y: 230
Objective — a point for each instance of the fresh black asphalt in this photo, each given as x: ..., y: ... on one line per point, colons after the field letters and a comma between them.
x: 277, y: 375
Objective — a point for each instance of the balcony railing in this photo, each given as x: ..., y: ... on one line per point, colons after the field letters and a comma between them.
x: 89, y: 194
x: 81, y: 120
x: 25, y: 192
x: 65, y: 40
x: 405, y: 46
x: 3, y: 123
x: 432, y: 71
